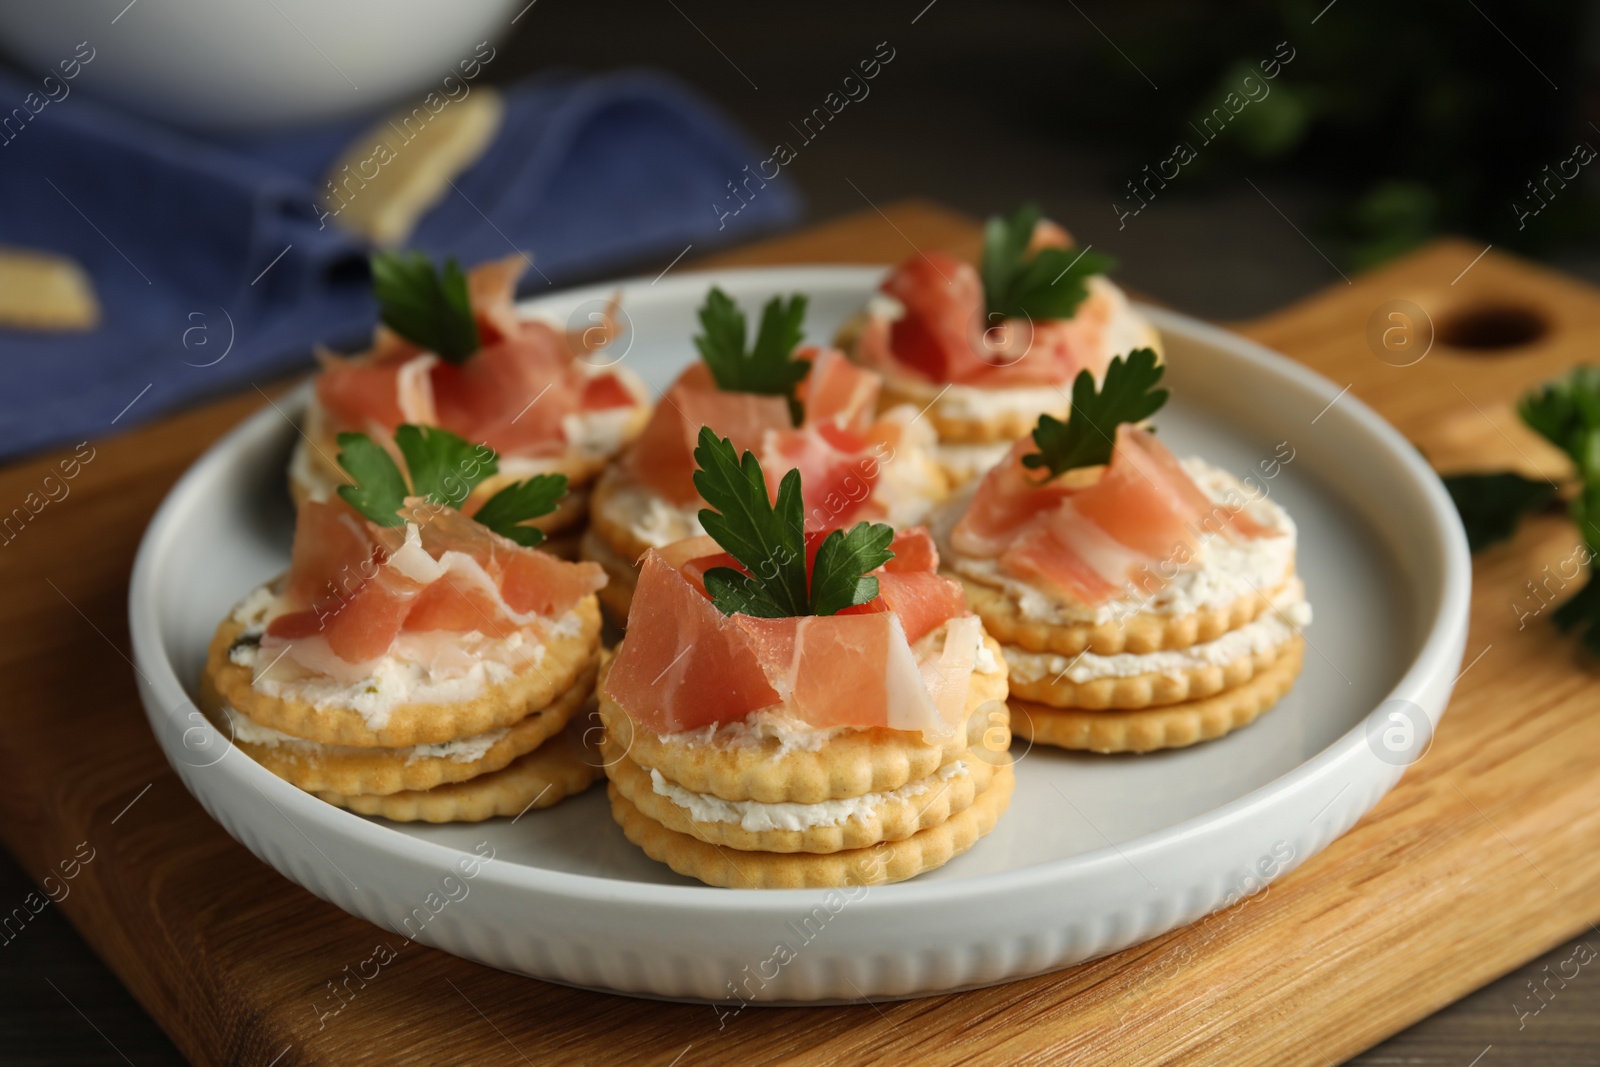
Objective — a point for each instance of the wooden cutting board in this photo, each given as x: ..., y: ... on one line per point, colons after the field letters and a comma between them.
x: 1483, y: 857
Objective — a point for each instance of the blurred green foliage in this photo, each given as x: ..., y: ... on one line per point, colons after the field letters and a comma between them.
x: 1427, y: 116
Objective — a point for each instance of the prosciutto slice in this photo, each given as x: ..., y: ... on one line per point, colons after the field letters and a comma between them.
x: 512, y: 394
x: 355, y: 587
x: 944, y: 336
x: 685, y: 665
x: 1089, y: 534
x: 839, y: 447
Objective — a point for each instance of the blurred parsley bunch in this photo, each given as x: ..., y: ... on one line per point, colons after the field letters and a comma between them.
x: 1422, y: 115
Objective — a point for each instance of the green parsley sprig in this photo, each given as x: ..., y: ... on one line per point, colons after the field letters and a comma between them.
x: 1047, y: 285
x: 769, y: 540
x: 1565, y: 412
x: 1086, y: 439
x: 431, y: 309
x: 444, y: 469
x: 768, y: 368
x: 1491, y: 505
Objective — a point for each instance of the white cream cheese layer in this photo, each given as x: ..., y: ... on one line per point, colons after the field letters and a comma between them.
x: 756, y: 816
x: 759, y: 727
x: 1289, y: 614
x: 648, y: 516
x: 460, y: 750
x: 602, y: 433
x: 967, y: 461
x: 430, y: 667
x: 1222, y: 570
x: 598, y: 433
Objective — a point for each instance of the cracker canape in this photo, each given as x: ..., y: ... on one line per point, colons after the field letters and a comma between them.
x: 453, y: 352
x: 766, y: 727
x: 413, y: 662
x: 797, y: 408
x: 986, y: 350
x: 1141, y: 602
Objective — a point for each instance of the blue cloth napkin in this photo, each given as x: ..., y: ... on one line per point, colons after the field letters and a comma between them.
x: 200, y: 247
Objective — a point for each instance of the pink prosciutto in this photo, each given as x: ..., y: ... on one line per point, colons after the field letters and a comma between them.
x: 944, y: 337
x: 353, y: 587
x: 512, y: 394
x: 1096, y: 534
x: 686, y: 665
x: 838, y: 448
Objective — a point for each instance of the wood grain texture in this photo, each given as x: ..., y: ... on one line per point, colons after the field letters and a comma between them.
x: 1482, y: 858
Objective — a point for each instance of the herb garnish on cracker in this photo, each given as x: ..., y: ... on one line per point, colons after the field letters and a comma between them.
x: 768, y: 540
x: 445, y: 469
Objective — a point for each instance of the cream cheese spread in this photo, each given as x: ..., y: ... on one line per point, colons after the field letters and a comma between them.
x: 460, y: 750
x: 755, y: 816
x: 429, y: 667
x: 1289, y: 614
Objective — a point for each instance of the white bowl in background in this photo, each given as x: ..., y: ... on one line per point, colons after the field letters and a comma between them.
x: 234, y: 66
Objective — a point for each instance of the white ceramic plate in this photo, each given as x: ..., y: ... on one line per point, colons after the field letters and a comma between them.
x: 1096, y: 853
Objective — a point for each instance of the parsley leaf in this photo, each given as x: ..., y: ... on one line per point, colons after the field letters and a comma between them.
x: 770, y: 367
x: 736, y: 593
x: 769, y: 541
x: 443, y: 467
x: 379, y: 488
x: 1566, y: 412
x: 1048, y: 285
x: 1491, y: 505
x: 839, y: 578
x: 1128, y: 394
x: 510, y: 507
x: 430, y: 309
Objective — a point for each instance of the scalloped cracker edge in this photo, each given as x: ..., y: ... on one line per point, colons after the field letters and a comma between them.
x: 1173, y: 726
x: 880, y: 864
x: 557, y: 769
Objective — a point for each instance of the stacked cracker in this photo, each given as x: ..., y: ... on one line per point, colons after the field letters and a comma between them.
x: 734, y: 809
x: 1204, y: 653
x: 1168, y: 682
x: 414, y: 662
x: 516, y: 745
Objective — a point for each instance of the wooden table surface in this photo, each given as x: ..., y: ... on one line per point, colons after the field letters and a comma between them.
x: 1481, y: 858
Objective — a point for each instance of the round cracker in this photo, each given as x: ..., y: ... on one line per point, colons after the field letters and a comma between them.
x: 1139, y: 633
x: 852, y: 763
x: 1153, y: 689
x: 558, y: 769
x: 380, y: 771
x: 565, y: 660
x: 1174, y: 726
x: 893, y: 819
x: 889, y: 861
